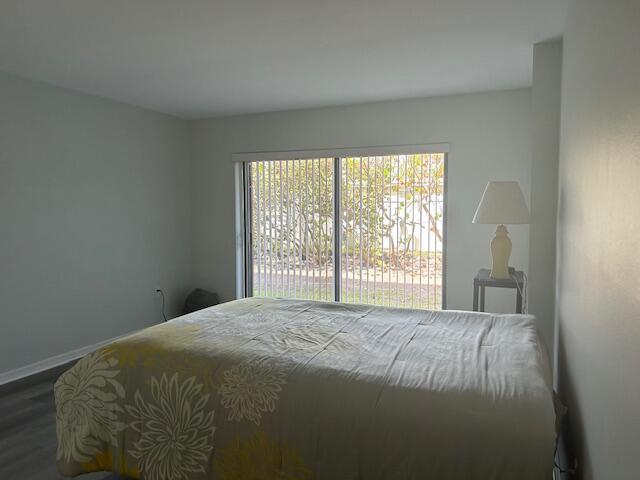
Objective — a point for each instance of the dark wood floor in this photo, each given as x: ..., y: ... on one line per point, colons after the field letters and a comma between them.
x: 28, y: 431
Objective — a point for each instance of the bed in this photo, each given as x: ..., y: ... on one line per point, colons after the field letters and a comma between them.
x: 265, y: 389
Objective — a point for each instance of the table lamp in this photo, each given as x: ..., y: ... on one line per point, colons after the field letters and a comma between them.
x: 501, y: 203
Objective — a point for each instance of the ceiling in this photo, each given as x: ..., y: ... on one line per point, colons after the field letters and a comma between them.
x: 198, y: 58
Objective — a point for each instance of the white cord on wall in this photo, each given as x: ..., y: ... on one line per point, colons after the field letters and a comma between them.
x: 522, y: 290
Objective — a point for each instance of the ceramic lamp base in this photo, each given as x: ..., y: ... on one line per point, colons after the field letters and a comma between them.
x: 500, y: 253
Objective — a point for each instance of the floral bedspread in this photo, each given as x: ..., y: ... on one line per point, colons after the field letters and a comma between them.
x: 263, y: 389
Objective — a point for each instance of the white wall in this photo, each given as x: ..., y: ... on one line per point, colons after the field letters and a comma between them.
x: 95, y: 201
x: 94, y: 215
x: 489, y: 135
x: 545, y: 144
x: 598, y: 293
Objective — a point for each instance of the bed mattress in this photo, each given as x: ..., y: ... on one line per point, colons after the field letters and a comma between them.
x: 282, y: 389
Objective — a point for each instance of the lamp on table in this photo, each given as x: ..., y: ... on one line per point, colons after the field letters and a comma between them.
x: 501, y: 203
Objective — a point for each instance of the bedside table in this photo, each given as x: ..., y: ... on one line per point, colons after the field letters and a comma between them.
x: 483, y: 279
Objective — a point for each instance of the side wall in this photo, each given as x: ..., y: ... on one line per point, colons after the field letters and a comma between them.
x: 489, y: 136
x: 545, y: 145
x: 598, y: 293
x: 94, y: 215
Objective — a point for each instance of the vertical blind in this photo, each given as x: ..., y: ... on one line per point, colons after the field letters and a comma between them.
x: 389, y: 232
x: 292, y: 228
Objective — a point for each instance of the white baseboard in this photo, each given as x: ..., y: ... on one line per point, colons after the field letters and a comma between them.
x: 51, y: 362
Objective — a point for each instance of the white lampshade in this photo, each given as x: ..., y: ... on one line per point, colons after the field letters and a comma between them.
x: 502, y: 203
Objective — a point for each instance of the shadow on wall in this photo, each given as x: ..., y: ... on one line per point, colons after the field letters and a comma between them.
x: 571, y: 431
x: 571, y: 428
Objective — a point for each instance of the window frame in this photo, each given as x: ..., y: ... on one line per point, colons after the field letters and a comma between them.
x: 243, y: 160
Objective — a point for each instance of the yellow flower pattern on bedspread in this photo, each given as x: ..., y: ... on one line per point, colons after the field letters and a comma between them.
x: 88, y: 414
x: 154, y: 405
x: 105, y: 461
x: 260, y: 458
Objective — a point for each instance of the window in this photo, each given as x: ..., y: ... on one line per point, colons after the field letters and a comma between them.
x: 359, y: 229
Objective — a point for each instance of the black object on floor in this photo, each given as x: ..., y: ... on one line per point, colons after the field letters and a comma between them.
x: 199, y: 299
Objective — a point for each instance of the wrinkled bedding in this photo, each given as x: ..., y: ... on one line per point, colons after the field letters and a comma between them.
x: 280, y: 389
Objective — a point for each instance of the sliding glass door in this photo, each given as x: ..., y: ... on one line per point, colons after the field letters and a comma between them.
x: 367, y: 229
